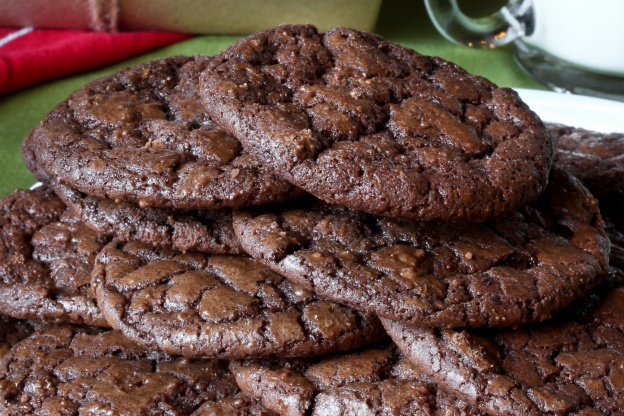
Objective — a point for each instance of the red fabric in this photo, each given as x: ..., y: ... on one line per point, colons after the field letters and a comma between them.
x: 42, y: 54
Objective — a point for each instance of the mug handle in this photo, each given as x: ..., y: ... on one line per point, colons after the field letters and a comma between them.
x: 506, y: 25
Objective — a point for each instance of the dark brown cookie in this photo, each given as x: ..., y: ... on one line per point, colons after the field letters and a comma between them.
x: 573, y: 365
x: 374, y: 381
x: 46, y: 260
x: 218, y: 306
x: 238, y: 405
x: 597, y: 159
x: 141, y: 135
x: 22, y: 214
x: 363, y: 122
x: 523, y: 267
x: 206, y: 231
x: 13, y: 331
x: 67, y: 370
x: 615, y: 233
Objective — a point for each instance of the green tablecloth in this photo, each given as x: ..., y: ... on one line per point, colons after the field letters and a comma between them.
x: 405, y: 22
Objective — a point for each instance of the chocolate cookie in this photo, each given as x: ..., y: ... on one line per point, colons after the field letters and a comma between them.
x: 68, y: 370
x: 573, y: 365
x: 360, y: 121
x: 46, y: 260
x: 615, y: 232
x: 373, y: 381
x: 523, y: 267
x: 141, y: 135
x: 198, y: 305
x: 206, y: 231
x: 22, y: 214
x: 12, y: 331
x: 238, y: 405
x: 597, y: 159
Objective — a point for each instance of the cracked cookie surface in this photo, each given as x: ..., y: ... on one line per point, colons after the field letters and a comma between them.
x: 523, y: 267
x: 13, y: 331
x: 363, y: 122
x: 141, y: 135
x: 597, y: 159
x: 573, y: 364
x: 238, y: 405
x: 375, y: 381
x: 67, y: 370
x: 200, y: 305
x: 46, y: 260
x: 206, y: 231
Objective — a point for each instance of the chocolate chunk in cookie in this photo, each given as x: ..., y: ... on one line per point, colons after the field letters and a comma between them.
x: 363, y: 122
x: 67, y: 370
x: 572, y: 365
x: 206, y: 231
x: 142, y: 136
x: 46, y: 258
x: 520, y: 268
x: 217, y: 306
x: 376, y: 381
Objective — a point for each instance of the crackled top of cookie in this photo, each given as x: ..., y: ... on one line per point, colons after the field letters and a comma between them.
x: 237, y: 405
x: 22, y: 214
x: 198, y: 305
x: 46, y: 260
x: 571, y: 365
x: 206, y: 231
x: 376, y: 381
x: 12, y: 331
x: 360, y: 121
x: 520, y: 268
x: 141, y: 135
x: 597, y: 159
x: 67, y: 370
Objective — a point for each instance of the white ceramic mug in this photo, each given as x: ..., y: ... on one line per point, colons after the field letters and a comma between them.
x: 570, y: 45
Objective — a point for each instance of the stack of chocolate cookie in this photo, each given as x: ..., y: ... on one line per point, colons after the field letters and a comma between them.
x: 310, y: 224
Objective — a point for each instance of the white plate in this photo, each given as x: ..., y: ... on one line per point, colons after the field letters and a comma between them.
x: 576, y: 110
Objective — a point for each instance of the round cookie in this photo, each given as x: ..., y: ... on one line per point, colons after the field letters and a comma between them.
x: 67, y: 370
x: 520, y: 268
x: 141, y: 135
x: 572, y: 365
x: 206, y: 231
x: 217, y: 306
x: 46, y: 260
x: 363, y: 122
x: 376, y: 381
x: 597, y: 159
